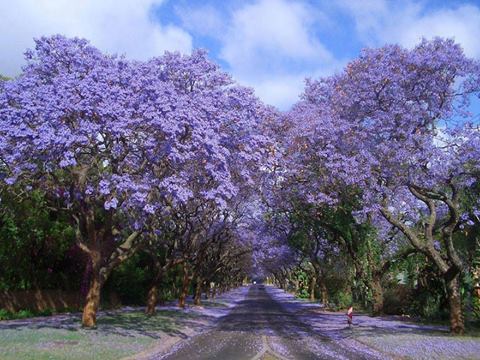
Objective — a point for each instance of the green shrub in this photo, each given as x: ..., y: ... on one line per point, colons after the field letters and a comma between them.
x: 476, y: 307
x: 23, y: 314
x: 5, y: 314
x: 303, y: 294
x: 130, y: 281
x: 343, y: 299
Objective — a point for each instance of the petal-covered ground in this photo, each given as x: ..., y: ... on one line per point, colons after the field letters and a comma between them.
x: 262, y: 326
x: 391, y: 336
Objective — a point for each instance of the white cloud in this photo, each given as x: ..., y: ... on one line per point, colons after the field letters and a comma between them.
x: 379, y: 22
x: 462, y: 24
x: 268, y: 30
x: 125, y: 27
x: 281, y: 91
x: 270, y: 45
x: 266, y: 44
x: 284, y: 89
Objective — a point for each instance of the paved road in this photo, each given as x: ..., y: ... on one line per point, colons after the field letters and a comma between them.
x: 260, y: 328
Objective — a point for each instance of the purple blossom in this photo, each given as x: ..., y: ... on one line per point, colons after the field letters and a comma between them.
x: 10, y: 180
x: 149, y: 209
x: 111, y: 204
x: 104, y: 187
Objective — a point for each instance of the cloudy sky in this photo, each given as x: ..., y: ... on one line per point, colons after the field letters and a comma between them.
x: 271, y: 45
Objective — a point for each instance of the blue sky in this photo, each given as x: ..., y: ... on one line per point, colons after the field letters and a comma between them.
x: 271, y: 45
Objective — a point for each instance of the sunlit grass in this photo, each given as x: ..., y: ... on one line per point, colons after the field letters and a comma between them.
x: 117, y: 335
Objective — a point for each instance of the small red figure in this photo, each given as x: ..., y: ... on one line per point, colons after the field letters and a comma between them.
x: 350, y: 316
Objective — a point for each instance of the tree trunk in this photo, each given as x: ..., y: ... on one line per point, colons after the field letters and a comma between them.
x: 377, y: 295
x: 457, y: 324
x: 296, y: 286
x: 313, y: 283
x: 198, y: 292
x: 152, y: 299
x: 323, y: 291
x: 184, y: 290
x: 92, y: 303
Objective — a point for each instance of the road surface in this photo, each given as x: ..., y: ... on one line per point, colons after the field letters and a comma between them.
x: 259, y: 328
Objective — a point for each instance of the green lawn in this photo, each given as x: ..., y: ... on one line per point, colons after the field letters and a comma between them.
x: 118, y: 335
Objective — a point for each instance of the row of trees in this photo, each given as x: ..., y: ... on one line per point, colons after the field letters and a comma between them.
x: 158, y: 156
x: 381, y: 162
x: 38, y: 251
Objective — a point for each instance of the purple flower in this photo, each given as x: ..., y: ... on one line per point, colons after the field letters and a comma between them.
x: 104, y: 187
x: 149, y: 209
x: 111, y: 204
x: 10, y: 180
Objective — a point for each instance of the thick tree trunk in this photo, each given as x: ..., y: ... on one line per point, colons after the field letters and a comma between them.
x: 313, y: 283
x: 198, y: 292
x: 377, y: 295
x: 92, y: 303
x: 457, y: 323
x: 152, y: 299
x: 181, y: 299
x: 152, y: 296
